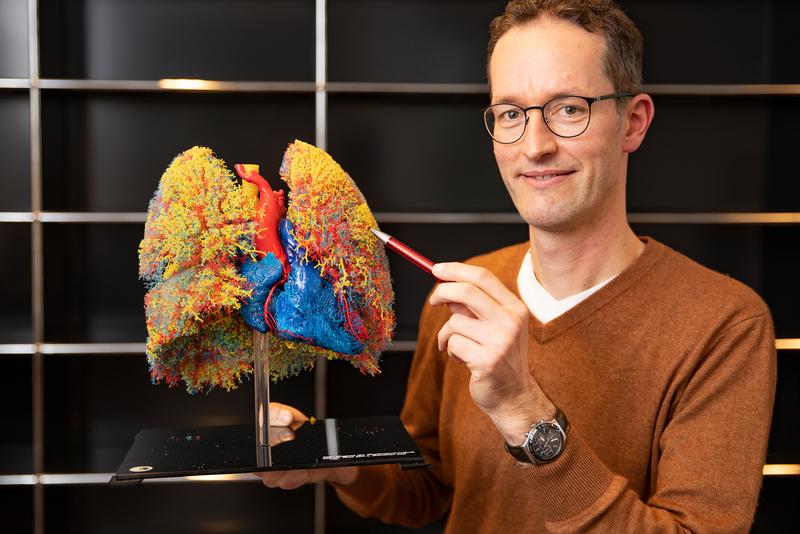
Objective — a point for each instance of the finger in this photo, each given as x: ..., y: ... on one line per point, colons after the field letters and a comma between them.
x: 284, y: 479
x: 271, y: 479
x: 464, y: 349
x: 479, y: 303
x: 478, y: 276
x: 284, y: 415
x: 456, y: 307
x: 293, y: 479
x: 280, y: 434
x: 479, y: 331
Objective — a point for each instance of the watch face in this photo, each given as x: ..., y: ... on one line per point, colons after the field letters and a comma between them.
x: 546, y: 442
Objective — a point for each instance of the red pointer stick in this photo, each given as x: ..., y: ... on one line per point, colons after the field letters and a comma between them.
x: 405, y: 251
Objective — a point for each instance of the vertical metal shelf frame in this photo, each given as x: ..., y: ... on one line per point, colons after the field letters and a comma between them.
x: 37, y: 263
x: 321, y: 140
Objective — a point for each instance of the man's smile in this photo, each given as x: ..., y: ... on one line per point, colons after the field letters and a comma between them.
x: 546, y: 176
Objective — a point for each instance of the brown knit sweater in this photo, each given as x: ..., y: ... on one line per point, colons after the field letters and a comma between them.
x: 667, y: 377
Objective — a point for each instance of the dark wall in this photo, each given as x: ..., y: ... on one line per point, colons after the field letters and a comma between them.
x: 104, y: 151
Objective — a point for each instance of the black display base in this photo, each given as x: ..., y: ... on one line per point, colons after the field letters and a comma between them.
x: 177, y: 452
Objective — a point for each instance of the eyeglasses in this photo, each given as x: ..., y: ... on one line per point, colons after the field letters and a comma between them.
x: 565, y: 116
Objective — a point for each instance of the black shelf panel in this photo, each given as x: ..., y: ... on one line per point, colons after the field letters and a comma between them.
x: 752, y: 41
x: 449, y: 40
x: 132, y: 40
x: 191, y: 508
x: 15, y: 292
x: 777, y: 505
x: 14, y: 61
x: 16, y: 413
x: 785, y: 434
x: 15, y: 128
x: 92, y: 292
x: 708, y: 154
x: 17, y: 509
x: 107, y: 151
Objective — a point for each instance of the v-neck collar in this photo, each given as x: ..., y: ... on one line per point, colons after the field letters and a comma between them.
x: 547, y: 331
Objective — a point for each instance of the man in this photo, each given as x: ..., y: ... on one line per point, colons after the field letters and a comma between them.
x: 630, y: 387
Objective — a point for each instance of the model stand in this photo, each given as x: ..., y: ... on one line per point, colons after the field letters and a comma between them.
x: 216, y: 450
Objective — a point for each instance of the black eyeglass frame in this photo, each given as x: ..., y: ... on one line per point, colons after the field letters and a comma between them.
x: 589, y: 102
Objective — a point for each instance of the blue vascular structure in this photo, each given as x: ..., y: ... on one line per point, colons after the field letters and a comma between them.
x: 304, y: 308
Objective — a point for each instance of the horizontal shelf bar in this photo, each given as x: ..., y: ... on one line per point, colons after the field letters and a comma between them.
x: 635, y: 218
x: 664, y: 89
x: 234, y: 86
x: 58, y: 479
x: 63, y: 479
x: 139, y: 348
x: 407, y: 88
x: 71, y: 348
x: 773, y: 470
x: 81, y: 479
x: 17, y: 348
x: 18, y: 480
x: 92, y: 217
x: 787, y: 344
x: 402, y: 346
x: 15, y: 83
x: 16, y: 216
x: 655, y: 89
x: 91, y: 348
x: 122, y: 348
x: 716, y: 218
x: 141, y: 217
x: 387, y: 217
x: 177, y: 85
x: 447, y: 218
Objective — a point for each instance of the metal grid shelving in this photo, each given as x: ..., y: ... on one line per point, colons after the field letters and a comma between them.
x: 320, y: 88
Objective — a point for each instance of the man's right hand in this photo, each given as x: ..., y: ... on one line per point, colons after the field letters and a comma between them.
x: 284, y: 420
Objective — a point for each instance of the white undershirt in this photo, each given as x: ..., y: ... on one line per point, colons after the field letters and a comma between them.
x: 541, y: 304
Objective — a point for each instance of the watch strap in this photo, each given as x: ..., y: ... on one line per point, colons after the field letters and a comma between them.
x: 519, y: 453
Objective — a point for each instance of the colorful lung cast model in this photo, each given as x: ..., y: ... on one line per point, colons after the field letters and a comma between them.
x: 222, y: 259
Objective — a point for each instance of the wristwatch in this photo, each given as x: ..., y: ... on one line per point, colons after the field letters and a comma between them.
x: 544, y: 442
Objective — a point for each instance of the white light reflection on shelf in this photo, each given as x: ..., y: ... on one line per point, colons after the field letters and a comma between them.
x: 189, y: 84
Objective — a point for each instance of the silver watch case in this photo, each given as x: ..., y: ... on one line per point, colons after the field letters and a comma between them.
x: 544, y: 442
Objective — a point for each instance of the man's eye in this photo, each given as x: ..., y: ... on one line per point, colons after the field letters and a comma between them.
x: 510, y: 115
x: 569, y: 111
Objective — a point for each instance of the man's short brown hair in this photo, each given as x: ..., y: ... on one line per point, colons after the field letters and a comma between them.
x: 624, y: 45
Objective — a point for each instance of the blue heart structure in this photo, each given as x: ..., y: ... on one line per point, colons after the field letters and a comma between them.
x: 305, y: 308
x: 262, y: 275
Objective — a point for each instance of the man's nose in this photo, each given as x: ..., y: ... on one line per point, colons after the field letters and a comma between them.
x: 537, y: 141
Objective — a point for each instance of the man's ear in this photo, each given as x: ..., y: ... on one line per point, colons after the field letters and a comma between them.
x: 639, y: 114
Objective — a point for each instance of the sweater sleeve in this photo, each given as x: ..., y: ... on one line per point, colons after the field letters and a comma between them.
x: 410, y: 497
x: 710, y: 456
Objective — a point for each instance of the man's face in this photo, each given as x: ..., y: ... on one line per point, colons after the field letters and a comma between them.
x: 558, y: 184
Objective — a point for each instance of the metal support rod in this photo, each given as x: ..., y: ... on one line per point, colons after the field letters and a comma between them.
x: 261, y: 385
